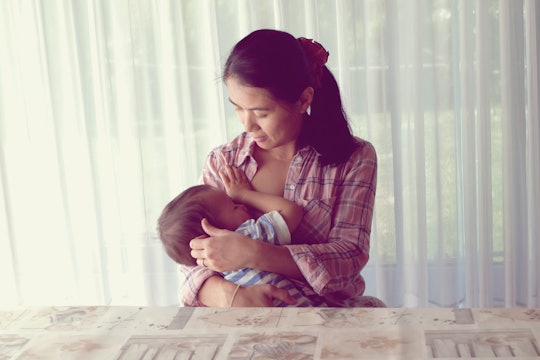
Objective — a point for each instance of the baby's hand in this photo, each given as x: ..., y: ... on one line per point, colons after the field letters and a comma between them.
x: 235, y: 182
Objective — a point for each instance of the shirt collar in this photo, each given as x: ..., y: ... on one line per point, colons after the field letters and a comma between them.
x: 245, y: 147
x: 248, y: 148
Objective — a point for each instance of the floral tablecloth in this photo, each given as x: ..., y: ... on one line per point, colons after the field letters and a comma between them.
x: 103, y: 332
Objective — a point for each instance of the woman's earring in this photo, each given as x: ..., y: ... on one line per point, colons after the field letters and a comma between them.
x: 308, y: 110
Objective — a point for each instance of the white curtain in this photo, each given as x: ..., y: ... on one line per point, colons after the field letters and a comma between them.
x: 108, y: 109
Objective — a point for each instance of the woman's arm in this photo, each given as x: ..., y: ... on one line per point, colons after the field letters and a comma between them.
x: 191, y: 279
x: 331, y: 246
x: 200, y: 286
x: 217, y: 292
x: 225, y: 250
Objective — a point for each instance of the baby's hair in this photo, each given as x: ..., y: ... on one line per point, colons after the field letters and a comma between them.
x: 180, y: 222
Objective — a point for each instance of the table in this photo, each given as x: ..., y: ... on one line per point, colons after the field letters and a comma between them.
x: 124, y: 332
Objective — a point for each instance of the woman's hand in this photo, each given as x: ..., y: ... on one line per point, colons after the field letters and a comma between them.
x: 223, y: 250
x: 218, y: 292
x: 261, y: 296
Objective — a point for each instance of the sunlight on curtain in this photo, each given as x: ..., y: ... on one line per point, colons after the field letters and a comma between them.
x: 109, y: 108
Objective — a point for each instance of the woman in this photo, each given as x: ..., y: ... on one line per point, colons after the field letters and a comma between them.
x: 297, y: 144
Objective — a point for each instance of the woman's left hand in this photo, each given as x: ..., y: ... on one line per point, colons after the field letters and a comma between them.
x: 223, y: 250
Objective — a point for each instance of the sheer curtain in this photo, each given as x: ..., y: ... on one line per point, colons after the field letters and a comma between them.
x: 108, y: 109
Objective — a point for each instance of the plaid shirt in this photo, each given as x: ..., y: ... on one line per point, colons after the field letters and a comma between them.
x: 331, y: 244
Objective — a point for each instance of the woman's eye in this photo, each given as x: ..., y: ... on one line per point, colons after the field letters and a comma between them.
x: 261, y: 115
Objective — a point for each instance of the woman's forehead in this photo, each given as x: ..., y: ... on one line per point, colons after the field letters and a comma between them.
x: 249, y: 97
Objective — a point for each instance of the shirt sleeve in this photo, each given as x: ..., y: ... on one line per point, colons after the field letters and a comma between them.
x: 270, y: 228
x: 333, y: 268
x: 210, y: 172
x: 191, y: 278
x: 275, y: 220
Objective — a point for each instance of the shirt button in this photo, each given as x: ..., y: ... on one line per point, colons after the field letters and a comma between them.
x: 292, y: 187
x: 298, y: 159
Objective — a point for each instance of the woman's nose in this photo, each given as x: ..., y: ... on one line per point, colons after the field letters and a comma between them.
x: 248, y: 121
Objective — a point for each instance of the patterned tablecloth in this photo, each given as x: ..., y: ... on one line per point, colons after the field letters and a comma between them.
x: 268, y: 333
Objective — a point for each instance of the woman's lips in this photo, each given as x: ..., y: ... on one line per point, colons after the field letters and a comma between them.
x: 259, y: 138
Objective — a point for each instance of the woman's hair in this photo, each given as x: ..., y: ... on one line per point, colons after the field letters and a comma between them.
x: 180, y: 221
x: 276, y: 61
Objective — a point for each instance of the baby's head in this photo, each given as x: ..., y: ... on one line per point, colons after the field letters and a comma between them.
x: 180, y: 220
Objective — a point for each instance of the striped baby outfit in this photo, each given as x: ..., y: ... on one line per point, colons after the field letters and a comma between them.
x: 270, y: 228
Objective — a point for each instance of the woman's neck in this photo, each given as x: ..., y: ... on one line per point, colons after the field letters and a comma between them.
x: 284, y: 153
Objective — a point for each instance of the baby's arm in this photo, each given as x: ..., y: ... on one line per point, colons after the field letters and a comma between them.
x: 240, y: 190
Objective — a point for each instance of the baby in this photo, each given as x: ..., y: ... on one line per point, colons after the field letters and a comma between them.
x: 180, y: 222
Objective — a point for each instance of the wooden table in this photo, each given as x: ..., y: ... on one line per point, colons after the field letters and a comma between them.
x: 268, y: 333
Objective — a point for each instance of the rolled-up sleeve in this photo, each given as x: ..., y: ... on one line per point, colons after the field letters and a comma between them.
x: 332, y: 245
x: 191, y: 279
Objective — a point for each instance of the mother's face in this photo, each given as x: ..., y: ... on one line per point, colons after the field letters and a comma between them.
x: 270, y: 122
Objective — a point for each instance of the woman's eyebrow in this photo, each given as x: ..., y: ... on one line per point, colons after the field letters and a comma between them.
x: 260, y: 108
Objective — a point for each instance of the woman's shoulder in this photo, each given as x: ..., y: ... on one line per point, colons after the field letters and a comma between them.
x: 234, y: 151
x: 242, y: 141
x: 364, y: 155
x: 364, y: 149
x: 363, y: 152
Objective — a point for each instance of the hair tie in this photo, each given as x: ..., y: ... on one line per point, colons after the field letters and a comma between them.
x: 317, y: 56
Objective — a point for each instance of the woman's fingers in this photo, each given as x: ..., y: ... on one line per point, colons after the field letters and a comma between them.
x: 197, y: 246
x: 198, y: 242
x: 283, y: 295
x: 215, y: 248
x: 262, y: 296
x: 210, y: 229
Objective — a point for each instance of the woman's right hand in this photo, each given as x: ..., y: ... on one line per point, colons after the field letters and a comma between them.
x: 225, y: 250
x: 218, y: 292
x: 222, y: 250
x: 261, y: 296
